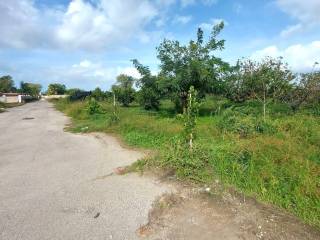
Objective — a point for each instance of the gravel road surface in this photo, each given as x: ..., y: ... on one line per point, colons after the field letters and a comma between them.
x: 57, y: 185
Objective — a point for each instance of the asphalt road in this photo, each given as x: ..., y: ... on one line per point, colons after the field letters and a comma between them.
x: 55, y: 184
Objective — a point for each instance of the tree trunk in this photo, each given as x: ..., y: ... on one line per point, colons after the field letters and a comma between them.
x: 264, y: 104
x: 114, y: 104
x: 183, y: 102
x: 190, y: 109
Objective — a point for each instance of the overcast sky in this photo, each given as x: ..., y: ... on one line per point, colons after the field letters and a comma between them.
x: 87, y: 43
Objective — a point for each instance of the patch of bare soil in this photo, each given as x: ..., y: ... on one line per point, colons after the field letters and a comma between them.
x: 200, y: 214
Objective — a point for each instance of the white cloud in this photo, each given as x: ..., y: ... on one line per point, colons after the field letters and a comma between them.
x: 20, y: 24
x: 207, y: 26
x: 86, y: 74
x: 79, y: 25
x: 165, y: 2
x: 130, y: 71
x: 300, y: 57
x: 92, y: 69
x: 290, y: 30
x: 186, y: 3
x: 84, y: 24
x: 111, y: 22
x: 182, y: 19
x: 306, y: 12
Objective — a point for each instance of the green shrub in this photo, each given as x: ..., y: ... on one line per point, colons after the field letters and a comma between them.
x: 187, y: 163
x: 243, y: 124
x: 234, y: 122
x: 266, y: 127
x: 93, y: 107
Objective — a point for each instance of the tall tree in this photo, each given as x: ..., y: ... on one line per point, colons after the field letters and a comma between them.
x: 195, y: 64
x: 98, y: 94
x: 6, y: 84
x: 56, y: 89
x: 32, y: 89
x: 266, y: 81
x: 307, y: 91
x: 149, y: 94
x: 124, y: 90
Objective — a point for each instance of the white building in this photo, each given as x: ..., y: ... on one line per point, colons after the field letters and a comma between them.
x: 11, y: 97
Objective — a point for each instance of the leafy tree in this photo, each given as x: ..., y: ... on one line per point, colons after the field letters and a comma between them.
x: 123, y: 89
x: 6, y: 84
x: 307, y: 91
x: 33, y: 89
x: 266, y: 81
x: 77, y: 94
x: 149, y: 93
x: 56, y: 89
x: 98, y: 94
x: 195, y: 64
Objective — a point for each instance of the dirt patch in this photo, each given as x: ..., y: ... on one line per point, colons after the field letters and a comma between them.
x: 204, y: 214
x: 161, y: 206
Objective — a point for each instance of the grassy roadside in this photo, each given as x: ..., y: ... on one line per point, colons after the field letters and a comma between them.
x: 3, y: 106
x: 276, y: 161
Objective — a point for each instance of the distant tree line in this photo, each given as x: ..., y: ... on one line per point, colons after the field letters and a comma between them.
x: 7, y: 85
x: 76, y: 93
x: 197, y: 65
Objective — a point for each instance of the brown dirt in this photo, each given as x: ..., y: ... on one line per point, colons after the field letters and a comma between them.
x: 203, y: 214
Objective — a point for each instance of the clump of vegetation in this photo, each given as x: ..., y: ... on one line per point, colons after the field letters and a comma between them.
x: 149, y: 95
x: 265, y: 81
x: 7, y: 84
x: 93, y: 107
x: 192, y: 165
x: 123, y: 90
x: 56, y: 89
x: 243, y: 124
x: 32, y: 89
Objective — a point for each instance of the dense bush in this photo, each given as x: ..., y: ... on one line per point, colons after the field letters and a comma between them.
x: 56, y: 89
x: 93, y: 107
x: 244, y: 124
x: 99, y: 95
x: 77, y: 94
x: 149, y: 94
x: 190, y: 164
x: 123, y: 90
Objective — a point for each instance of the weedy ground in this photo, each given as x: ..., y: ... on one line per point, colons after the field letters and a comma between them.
x: 276, y: 160
x: 3, y: 106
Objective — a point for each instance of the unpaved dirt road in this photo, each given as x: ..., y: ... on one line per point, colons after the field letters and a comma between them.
x: 53, y: 184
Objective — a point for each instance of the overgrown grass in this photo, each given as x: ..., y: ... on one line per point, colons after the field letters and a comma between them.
x: 276, y: 161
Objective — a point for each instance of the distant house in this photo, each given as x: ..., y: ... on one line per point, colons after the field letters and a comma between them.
x: 13, y: 97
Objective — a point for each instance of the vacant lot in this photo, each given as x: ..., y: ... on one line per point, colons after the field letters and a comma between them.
x: 276, y: 161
